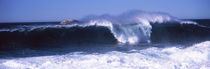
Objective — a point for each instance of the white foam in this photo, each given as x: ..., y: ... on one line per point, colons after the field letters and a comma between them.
x: 195, y: 57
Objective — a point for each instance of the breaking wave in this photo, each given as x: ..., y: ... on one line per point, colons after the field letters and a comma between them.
x: 131, y: 40
x: 130, y: 27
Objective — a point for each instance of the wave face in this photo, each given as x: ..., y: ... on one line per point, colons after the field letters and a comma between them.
x: 127, y: 33
x: 132, y: 27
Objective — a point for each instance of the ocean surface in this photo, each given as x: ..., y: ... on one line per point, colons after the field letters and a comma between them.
x: 131, y: 40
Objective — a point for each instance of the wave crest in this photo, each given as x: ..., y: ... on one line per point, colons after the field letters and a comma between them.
x: 129, y: 27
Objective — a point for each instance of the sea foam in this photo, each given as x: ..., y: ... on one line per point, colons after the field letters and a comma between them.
x: 196, y: 56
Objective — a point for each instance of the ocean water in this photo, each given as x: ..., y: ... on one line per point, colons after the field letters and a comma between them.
x: 132, y: 40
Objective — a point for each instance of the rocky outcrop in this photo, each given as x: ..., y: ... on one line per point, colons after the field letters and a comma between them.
x: 69, y: 21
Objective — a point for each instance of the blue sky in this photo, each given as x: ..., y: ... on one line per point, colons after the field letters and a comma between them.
x: 57, y: 10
